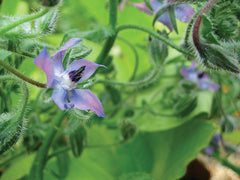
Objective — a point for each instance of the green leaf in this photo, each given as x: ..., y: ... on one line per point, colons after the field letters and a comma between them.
x: 175, y: 148
x: 161, y: 122
x: 136, y: 176
x: 8, y: 7
x: 136, y: 156
x: 12, y: 124
x: 97, y: 34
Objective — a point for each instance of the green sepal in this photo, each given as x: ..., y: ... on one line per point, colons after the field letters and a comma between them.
x: 216, y: 57
x: 158, y: 50
x: 147, y: 2
x: 172, y: 17
x: 78, y: 140
x: 207, y: 30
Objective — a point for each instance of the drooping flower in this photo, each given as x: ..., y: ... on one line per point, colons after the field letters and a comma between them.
x: 200, y: 77
x: 183, y: 12
x: 213, y: 145
x: 64, y: 82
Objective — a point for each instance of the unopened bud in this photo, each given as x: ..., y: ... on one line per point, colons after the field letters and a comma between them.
x: 128, y: 129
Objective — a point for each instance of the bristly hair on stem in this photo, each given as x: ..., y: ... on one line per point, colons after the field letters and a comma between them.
x: 197, y: 24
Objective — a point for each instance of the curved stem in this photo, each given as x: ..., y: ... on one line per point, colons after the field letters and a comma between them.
x: 41, y: 158
x: 197, y: 24
x: 154, y: 74
x: 136, y: 56
x: 21, y: 76
x: 23, y: 20
x: 154, y: 34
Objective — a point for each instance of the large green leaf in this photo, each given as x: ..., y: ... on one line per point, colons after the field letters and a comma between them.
x: 175, y: 148
x: 164, y: 154
x: 150, y: 122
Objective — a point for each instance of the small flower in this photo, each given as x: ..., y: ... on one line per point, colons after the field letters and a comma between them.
x: 183, y: 12
x: 64, y: 82
x: 200, y: 77
x: 213, y: 145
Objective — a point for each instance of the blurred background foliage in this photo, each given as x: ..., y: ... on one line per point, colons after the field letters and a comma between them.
x: 142, y: 136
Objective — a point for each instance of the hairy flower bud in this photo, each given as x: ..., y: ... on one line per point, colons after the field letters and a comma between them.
x: 216, y: 57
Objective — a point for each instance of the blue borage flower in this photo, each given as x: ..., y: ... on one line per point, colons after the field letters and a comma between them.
x: 214, y: 144
x: 64, y: 82
x: 183, y: 12
x: 200, y: 78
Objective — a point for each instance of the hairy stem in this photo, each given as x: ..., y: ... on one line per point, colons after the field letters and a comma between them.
x: 197, y: 24
x: 21, y: 76
x: 41, y: 158
x: 23, y: 20
x: 154, y: 34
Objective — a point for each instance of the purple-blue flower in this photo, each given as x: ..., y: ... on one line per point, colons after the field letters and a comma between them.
x: 64, y: 82
x: 200, y: 77
x: 214, y: 144
x: 183, y: 12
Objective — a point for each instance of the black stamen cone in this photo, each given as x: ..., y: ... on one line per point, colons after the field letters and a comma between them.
x: 76, y: 75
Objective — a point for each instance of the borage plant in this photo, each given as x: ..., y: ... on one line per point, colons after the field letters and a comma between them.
x: 166, y: 85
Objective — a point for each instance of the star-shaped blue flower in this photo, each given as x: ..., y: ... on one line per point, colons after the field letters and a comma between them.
x: 200, y: 77
x: 183, y: 12
x: 64, y: 82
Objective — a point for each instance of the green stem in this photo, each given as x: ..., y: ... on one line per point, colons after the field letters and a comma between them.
x: 136, y: 56
x: 113, y: 13
x: 154, y: 74
x: 21, y: 76
x: 226, y: 163
x: 23, y: 20
x: 41, y: 158
x: 154, y: 34
x: 110, y: 41
x: 105, y: 50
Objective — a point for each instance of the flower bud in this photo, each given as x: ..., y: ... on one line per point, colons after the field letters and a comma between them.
x: 128, y: 129
x: 216, y: 57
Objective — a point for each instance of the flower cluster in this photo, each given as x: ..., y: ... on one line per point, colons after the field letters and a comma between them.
x: 64, y: 82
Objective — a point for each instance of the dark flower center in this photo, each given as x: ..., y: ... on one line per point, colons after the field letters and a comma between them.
x: 76, y: 75
x: 200, y: 75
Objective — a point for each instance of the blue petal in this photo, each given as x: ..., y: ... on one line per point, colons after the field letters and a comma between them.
x: 44, y: 62
x: 88, y: 71
x: 143, y: 7
x: 209, y: 150
x: 166, y: 21
x: 60, y: 98
x: 58, y: 57
x: 184, y: 12
x: 84, y: 99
